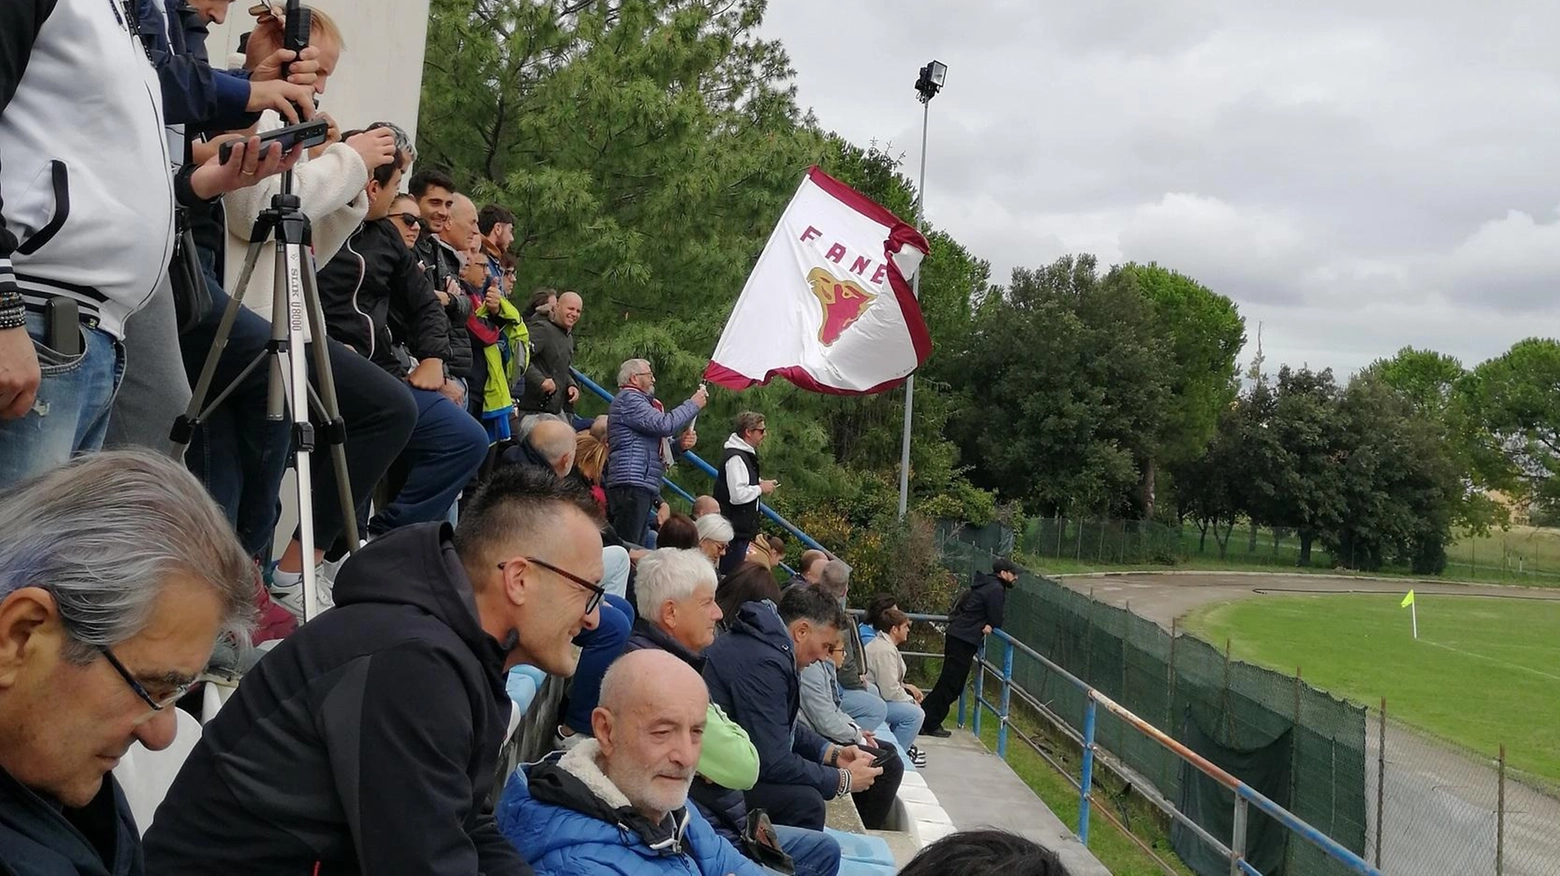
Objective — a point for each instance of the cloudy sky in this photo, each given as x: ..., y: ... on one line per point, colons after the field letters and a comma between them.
x: 1356, y: 176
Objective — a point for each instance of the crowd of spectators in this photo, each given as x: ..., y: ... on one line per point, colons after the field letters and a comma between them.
x: 709, y: 715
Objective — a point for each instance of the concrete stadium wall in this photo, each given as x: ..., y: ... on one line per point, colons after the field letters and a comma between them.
x: 380, y: 74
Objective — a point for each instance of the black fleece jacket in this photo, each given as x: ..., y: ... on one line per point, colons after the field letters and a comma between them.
x: 984, y: 603
x: 375, y: 296
x: 365, y: 743
x: 38, y: 836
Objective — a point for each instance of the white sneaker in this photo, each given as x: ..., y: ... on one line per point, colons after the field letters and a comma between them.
x: 287, y: 590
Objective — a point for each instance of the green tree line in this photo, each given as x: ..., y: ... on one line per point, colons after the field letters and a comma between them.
x: 647, y: 148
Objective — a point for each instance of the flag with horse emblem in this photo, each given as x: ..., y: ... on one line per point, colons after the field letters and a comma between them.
x: 829, y: 306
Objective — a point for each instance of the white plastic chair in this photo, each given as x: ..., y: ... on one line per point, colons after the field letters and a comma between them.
x: 146, y: 775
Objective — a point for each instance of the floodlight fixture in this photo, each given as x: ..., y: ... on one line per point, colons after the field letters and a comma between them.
x: 933, y: 76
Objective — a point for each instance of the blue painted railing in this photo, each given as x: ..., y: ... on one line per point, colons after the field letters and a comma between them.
x: 708, y: 469
x: 1245, y: 795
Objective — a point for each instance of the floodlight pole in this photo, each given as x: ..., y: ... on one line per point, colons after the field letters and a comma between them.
x: 926, y: 95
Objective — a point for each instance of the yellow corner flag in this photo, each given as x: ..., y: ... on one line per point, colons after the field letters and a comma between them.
x: 1407, y: 600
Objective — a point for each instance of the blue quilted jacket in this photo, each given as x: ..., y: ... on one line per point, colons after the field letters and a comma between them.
x: 635, y: 430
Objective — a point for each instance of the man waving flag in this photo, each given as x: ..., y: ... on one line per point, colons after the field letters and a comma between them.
x: 829, y: 305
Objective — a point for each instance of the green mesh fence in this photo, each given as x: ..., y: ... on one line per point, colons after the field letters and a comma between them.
x: 1168, y: 681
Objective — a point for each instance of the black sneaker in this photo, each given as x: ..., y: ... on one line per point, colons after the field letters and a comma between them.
x: 917, y: 756
x: 939, y: 732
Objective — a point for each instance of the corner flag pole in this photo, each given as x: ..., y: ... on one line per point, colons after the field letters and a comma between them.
x: 1413, y: 611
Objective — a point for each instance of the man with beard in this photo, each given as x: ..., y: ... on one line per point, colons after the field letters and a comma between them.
x: 618, y: 803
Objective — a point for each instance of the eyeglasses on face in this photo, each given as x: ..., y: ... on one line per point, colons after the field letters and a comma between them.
x: 157, y: 705
x: 597, y: 592
x: 411, y: 220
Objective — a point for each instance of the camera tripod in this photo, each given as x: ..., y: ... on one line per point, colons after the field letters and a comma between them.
x: 294, y: 300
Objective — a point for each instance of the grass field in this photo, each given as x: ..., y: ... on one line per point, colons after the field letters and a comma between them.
x: 1484, y: 672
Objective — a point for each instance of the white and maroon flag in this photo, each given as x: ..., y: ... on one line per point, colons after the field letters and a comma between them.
x: 829, y: 305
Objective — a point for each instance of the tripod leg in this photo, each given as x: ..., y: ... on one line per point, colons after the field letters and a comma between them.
x: 335, y: 426
x: 287, y: 321
x: 184, y: 427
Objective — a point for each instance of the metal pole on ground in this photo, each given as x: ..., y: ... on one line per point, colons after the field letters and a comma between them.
x: 1086, y: 774
x: 1381, y: 778
x: 1500, y: 816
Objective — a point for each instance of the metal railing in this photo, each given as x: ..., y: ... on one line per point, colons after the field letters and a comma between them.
x: 1245, y: 795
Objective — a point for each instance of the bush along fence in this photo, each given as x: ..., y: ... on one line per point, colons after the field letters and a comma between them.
x: 1399, y: 799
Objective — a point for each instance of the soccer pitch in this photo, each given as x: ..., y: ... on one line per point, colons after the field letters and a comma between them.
x: 1484, y: 672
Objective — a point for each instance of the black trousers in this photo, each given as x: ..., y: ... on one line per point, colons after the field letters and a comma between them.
x: 628, y: 510
x: 803, y: 806
x: 958, y: 656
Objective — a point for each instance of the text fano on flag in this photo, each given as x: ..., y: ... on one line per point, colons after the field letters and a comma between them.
x: 829, y: 305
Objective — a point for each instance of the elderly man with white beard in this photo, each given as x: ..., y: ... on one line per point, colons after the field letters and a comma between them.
x: 617, y: 803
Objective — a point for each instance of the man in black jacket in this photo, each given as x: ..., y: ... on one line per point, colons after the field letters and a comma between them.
x: 368, y: 740
x: 435, y: 193
x: 976, y: 612
x: 549, y: 388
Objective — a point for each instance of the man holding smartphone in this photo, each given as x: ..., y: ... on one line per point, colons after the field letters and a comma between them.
x: 86, y: 215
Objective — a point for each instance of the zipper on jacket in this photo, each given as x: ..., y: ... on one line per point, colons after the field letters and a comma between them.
x: 362, y: 272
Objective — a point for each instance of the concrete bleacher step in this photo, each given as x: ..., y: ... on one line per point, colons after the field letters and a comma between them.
x: 975, y: 789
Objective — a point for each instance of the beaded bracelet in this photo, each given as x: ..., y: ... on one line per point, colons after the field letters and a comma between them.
x: 13, y: 311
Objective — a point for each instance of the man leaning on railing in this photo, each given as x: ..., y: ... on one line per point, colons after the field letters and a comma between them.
x: 975, y: 613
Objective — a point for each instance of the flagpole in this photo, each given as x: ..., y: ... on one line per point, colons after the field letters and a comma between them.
x: 929, y: 83
x: 1413, y: 612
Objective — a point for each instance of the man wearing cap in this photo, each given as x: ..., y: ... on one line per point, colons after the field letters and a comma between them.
x: 975, y: 613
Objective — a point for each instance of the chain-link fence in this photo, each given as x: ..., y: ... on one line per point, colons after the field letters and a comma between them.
x: 1407, y: 801
x: 1301, y: 747
x: 1437, y: 807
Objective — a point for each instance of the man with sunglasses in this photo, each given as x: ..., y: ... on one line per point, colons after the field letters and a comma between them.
x: 117, y: 576
x: 367, y: 742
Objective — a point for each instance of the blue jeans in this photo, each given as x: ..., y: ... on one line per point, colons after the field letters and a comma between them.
x: 866, y: 708
x: 70, y: 416
x: 905, y: 720
x: 446, y: 448
x: 814, y: 852
x: 601, y: 646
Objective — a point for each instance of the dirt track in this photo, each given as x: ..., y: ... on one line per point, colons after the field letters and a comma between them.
x: 1163, y: 597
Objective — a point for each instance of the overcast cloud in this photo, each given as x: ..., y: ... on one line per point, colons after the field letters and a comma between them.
x: 1357, y: 176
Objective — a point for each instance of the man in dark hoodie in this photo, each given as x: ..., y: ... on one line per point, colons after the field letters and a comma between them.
x: 367, y: 741
x: 976, y: 612
x: 752, y: 672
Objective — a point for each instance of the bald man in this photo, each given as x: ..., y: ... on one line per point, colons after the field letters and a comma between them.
x: 619, y: 803
x: 549, y: 387
x: 705, y: 505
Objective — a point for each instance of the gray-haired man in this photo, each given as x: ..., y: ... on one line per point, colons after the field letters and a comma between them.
x: 117, y: 575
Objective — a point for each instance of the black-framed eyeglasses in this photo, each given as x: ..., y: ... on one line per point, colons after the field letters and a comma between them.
x: 597, y: 592
x: 140, y: 691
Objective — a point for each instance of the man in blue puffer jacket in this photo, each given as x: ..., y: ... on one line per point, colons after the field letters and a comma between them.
x: 618, y: 803
x: 639, y: 449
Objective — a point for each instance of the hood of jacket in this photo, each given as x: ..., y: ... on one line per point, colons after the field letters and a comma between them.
x: 735, y: 442
x: 761, y: 621
x: 566, y: 800
x: 417, y: 565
